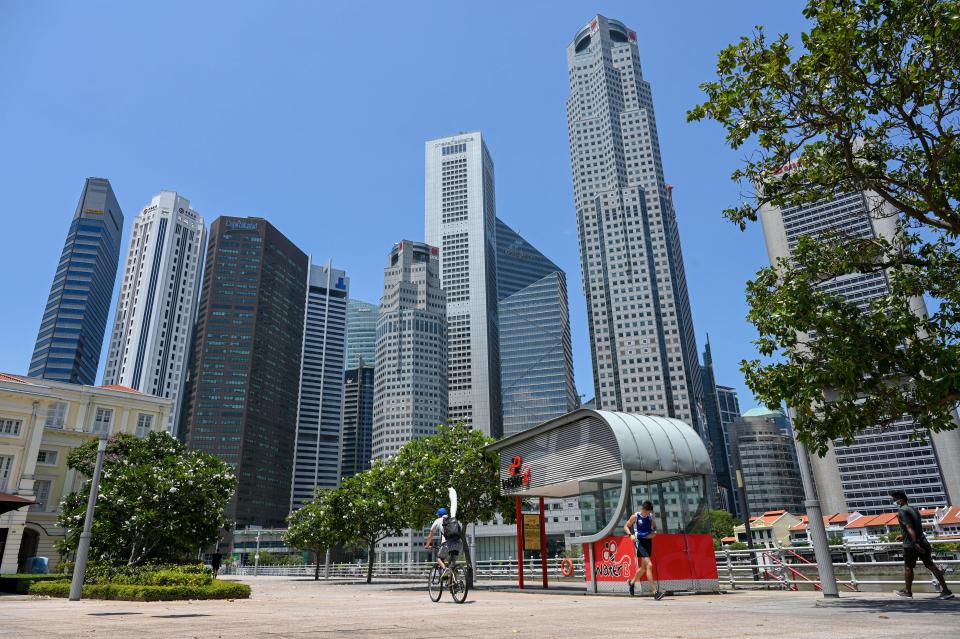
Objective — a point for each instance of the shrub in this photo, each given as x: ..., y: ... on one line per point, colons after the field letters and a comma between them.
x: 149, y: 575
x: 134, y: 592
x: 20, y: 582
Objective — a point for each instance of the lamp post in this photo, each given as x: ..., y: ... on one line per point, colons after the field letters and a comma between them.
x: 256, y: 557
x: 83, y: 548
x: 818, y: 532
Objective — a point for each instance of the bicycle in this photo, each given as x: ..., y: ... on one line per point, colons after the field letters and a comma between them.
x: 454, y: 574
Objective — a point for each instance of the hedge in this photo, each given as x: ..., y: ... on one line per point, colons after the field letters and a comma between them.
x: 149, y: 575
x: 132, y: 592
x: 20, y: 582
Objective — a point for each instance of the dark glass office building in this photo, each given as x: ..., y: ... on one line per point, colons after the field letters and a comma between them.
x: 75, y: 318
x: 536, y: 362
x: 245, y: 368
x: 721, y: 407
x: 361, y: 333
x: 357, y: 419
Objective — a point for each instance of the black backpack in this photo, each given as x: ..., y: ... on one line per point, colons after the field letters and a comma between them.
x: 451, y: 528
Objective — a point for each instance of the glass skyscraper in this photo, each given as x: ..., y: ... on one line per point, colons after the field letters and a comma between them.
x: 767, y: 459
x: 361, y: 333
x: 357, y: 420
x: 720, y: 406
x: 75, y: 318
x: 536, y: 361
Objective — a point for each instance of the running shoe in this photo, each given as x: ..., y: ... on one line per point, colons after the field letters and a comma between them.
x: 632, y: 587
x: 904, y: 594
x: 658, y: 595
x: 946, y: 594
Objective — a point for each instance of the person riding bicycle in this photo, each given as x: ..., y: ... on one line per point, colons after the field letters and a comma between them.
x: 449, y: 531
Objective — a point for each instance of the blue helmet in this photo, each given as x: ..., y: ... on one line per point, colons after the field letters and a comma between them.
x: 441, y: 512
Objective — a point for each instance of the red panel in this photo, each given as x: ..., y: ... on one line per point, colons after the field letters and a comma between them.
x: 675, y: 557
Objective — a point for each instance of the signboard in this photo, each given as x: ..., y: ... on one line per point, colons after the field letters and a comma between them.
x: 531, y: 532
x: 518, y: 475
x: 680, y: 562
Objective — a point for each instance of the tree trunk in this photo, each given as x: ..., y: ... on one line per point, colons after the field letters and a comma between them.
x: 466, y: 555
x: 373, y: 546
x: 316, y: 572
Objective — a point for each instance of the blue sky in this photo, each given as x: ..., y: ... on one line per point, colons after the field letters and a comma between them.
x: 314, y: 115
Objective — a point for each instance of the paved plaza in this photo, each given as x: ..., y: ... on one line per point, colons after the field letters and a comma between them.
x: 292, y: 607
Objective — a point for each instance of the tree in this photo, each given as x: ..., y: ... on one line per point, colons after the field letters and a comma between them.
x: 871, y: 103
x: 369, y: 509
x: 454, y: 457
x: 158, y: 502
x: 313, y: 527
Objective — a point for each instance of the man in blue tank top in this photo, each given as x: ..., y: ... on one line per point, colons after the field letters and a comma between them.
x: 643, y: 528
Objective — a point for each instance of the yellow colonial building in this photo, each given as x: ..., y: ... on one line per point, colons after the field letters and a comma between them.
x: 41, y: 421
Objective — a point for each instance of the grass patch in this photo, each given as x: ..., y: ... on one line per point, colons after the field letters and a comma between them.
x: 137, y: 592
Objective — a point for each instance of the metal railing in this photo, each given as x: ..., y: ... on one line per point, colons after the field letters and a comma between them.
x: 487, y: 569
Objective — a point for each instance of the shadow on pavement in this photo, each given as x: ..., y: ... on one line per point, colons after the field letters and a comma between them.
x: 918, y: 605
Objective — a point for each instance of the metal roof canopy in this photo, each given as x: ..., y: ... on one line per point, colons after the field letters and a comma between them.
x: 590, y: 444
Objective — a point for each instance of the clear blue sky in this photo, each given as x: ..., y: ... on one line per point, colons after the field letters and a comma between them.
x: 314, y: 114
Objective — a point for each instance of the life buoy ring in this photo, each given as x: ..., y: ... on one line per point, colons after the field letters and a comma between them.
x: 566, y: 567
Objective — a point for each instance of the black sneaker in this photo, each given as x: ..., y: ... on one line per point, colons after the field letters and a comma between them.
x: 946, y: 594
x: 657, y: 596
x: 632, y: 587
x: 904, y: 594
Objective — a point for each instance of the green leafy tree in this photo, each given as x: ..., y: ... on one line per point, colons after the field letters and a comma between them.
x: 313, y: 527
x: 368, y: 509
x: 869, y: 103
x: 158, y: 502
x: 454, y: 457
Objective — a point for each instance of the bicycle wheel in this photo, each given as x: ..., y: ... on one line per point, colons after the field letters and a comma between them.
x: 434, y: 587
x: 458, y: 584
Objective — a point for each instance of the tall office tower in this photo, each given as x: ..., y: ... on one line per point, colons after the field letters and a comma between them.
x: 75, y: 318
x: 536, y: 360
x: 410, y: 396
x: 638, y: 311
x: 858, y: 476
x: 460, y: 214
x: 320, y: 409
x: 153, y: 327
x: 357, y: 420
x: 720, y: 405
x: 767, y: 459
x: 361, y: 333
x: 244, y: 378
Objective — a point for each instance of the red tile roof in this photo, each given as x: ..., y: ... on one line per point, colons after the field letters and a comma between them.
x: 16, y: 379
x: 874, y: 521
x: 122, y: 389
x: 951, y: 517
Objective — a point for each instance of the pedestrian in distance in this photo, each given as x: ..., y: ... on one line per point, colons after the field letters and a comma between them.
x: 643, y: 528
x: 915, y: 545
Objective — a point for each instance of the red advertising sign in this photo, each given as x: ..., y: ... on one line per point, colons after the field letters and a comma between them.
x: 679, y: 561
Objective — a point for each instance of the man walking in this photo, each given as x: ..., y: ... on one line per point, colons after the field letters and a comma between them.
x: 915, y: 545
x: 643, y: 528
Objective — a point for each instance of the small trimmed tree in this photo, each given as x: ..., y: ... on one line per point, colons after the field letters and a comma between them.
x: 158, y: 502
x: 313, y: 527
x: 368, y: 509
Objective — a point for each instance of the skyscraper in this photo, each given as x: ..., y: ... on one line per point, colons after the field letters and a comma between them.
x: 460, y: 216
x: 720, y: 406
x: 357, y: 434
x: 245, y: 366
x: 75, y: 318
x: 410, y: 396
x: 638, y: 311
x: 858, y: 476
x: 152, y: 330
x: 361, y: 333
x: 320, y: 408
x: 767, y: 459
x: 536, y: 360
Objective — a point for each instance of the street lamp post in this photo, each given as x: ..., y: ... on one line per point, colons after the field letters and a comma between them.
x: 818, y: 532
x: 256, y: 557
x: 83, y: 548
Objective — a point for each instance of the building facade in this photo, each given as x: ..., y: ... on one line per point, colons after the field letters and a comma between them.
x: 242, y: 390
x: 153, y: 328
x: 361, y: 333
x: 858, y: 476
x: 41, y: 422
x: 460, y: 220
x: 410, y: 383
x: 536, y: 360
x: 357, y: 434
x: 320, y: 407
x: 721, y: 407
x: 75, y: 317
x: 641, y: 331
x: 767, y: 459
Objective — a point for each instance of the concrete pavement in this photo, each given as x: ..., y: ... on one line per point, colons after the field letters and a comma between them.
x: 292, y: 607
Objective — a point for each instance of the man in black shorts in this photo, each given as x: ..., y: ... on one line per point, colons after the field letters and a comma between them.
x: 915, y: 545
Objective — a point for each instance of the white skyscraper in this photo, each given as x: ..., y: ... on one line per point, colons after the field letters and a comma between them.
x: 156, y: 307
x: 641, y: 332
x: 460, y: 219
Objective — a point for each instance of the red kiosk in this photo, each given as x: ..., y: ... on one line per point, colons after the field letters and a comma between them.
x: 613, y: 462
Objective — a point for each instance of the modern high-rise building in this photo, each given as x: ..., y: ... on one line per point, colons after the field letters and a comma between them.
x: 357, y: 433
x: 75, y: 318
x: 767, y: 459
x: 242, y: 390
x: 460, y: 220
x: 720, y: 406
x: 361, y: 333
x: 320, y: 408
x: 410, y: 384
x: 641, y: 331
x: 858, y: 476
x: 536, y: 360
x: 152, y: 331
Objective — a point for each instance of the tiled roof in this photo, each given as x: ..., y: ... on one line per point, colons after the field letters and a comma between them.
x: 951, y: 517
x: 16, y: 379
x: 122, y: 389
x: 728, y: 539
x: 839, y: 518
x: 874, y: 521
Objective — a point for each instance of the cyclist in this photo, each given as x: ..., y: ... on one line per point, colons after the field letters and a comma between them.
x: 444, y: 526
x: 643, y: 528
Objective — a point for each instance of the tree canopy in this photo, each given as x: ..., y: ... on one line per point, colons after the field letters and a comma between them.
x: 871, y: 104
x: 158, y: 502
x: 314, y: 526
